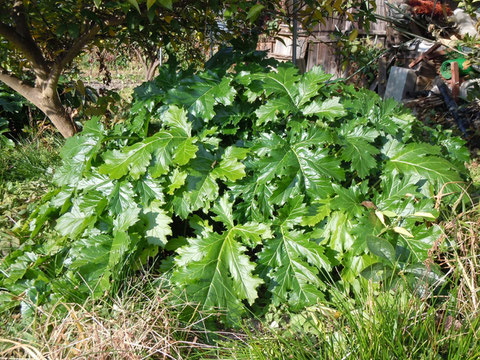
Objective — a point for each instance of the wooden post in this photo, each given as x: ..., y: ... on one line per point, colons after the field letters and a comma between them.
x: 455, y: 82
x: 295, y: 29
x: 382, y: 76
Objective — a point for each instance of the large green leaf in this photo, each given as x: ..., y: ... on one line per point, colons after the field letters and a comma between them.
x: 222, y: 278
x: 309, y: 85
x: 125, y: 219
x: 358, y: 148
x: 201, y: 93
x: 272, y: 108
x: 292, y: 213
x: 329, y: 109
x: 79, y: 148
x: 176, y: 119
x: 337, y: 233
x: 348, y: 200
x: 217, y: 272
x: 382, y: 248
x: 177, y: 180
x: 292, y: 262
x: 201, y: 191
x: 149, y: 189
x: 311, y: 170
x: 317, y: 168
x: 78, y: 152
x: 422, y: 241
x: 82, y: 214
x: 91, y: 251
x: 255, y: 200
x: 230, y: 166
x: 121, y: 198
x: 185, y: 151
x: 157, y: 224
x: 224, y: 211
x: 94, y: 258
x: 275, y: 159
x: 282, y: 82
x: 421, y: 162
x: 134, y: 159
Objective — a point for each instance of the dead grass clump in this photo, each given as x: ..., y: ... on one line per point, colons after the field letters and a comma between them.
x: 463, y: 232
x: 141, y: 325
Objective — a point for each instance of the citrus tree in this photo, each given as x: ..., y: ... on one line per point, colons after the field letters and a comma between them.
x: 40, y: 39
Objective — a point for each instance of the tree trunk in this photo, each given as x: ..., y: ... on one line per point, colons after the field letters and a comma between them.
x: 142, y: 61
x: 54, y: 110
x: 150, y: 64
x: 44, y: 96
x: 151, y: 70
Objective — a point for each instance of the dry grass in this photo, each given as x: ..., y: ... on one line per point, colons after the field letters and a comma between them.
x: 463, y: 232
x: 143, y: 321
x: 141, y: 325
x: 474, y: 168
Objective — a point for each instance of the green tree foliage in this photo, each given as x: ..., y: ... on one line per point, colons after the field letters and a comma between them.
x: 241, y: 206
x: 40, y: 39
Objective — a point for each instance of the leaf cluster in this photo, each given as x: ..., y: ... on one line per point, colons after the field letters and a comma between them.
x: 255, y: 185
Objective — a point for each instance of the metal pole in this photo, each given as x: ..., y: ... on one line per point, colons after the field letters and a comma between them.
x: 294, y: 41
x: 211, y: 43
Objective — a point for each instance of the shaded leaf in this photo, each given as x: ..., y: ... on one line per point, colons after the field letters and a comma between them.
x: 382, y: 248
x: 254, y: 12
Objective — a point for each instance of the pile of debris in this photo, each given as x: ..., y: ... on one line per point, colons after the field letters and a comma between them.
x: 432, y: 64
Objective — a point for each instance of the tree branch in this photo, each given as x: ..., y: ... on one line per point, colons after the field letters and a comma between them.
x: 22, y: 40
x: 27, y: 91
x: 29, y: 49
x: 78, y: 46
x: 141, y: 59
x: 20, y: 19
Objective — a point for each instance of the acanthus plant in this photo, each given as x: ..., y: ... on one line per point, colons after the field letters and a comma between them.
x: 251, y: 181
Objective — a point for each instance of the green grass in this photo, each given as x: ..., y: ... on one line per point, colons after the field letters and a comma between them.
x: 376, y: 325
x: 30, y: 159
x: 145, y: 320
x: 142, y: 323
x: 25, y: 175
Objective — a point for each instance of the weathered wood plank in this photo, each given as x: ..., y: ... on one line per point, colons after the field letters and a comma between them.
x: 318, y: 48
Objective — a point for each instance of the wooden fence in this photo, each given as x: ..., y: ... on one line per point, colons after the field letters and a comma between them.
x: 318, y: 48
